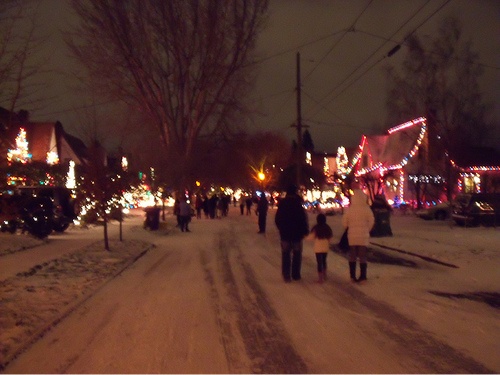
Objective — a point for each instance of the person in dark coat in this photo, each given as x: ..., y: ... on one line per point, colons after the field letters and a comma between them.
x: 176, y: 212
x: 242, y: 204
x: 293, y: 226
x: 184, y: 214
x: 262, y: 207
x: 249, y: 204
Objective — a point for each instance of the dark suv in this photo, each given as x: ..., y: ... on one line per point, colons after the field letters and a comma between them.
x: 476, y: 209
x: 63, y: 204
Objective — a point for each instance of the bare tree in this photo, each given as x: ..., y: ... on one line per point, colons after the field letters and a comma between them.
x: 20, y: 64
x: 184, y: 63
x: 439, y: 80
x: 20, y: 59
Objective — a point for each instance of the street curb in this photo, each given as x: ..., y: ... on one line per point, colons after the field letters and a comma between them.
x: 43, y: 330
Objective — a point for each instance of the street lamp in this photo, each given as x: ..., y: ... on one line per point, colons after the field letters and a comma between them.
x: 261, y: 177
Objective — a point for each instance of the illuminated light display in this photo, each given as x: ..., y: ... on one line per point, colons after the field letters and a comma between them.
x: 21, y: 153
x: 470, y: 177
x: 14, y: 180
x: 342, y: 162
x: 480, y: 168
x: 70, y: 178
x: 401, y: 184
x: 52, y: 158
x: 420, y: 120
x: 124, y: 163
x: 369, y: 165
x: 427, y: 179
x: 470, y: 183
x: 308, y: 158
x: 358, y: 154
x: 382, y: 169
x: 326, y: 166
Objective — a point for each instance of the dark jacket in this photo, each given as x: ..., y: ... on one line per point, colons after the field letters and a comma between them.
x: 291, y: 219
x: 262, y: 206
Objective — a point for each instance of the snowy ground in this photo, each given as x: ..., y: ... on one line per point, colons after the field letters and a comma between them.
x: 446, y: 283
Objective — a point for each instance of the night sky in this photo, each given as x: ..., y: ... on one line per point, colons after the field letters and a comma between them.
x: 342, y: 72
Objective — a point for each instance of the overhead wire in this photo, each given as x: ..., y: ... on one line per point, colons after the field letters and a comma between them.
x: 385, y: 56
x: 366, y: 60
x: 349, y: 29
x: 345, y: 31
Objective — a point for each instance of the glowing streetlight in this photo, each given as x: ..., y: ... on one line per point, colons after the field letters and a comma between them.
x: 261, y: 176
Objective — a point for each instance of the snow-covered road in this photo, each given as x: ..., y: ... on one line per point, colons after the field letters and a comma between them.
x: 213, y: 301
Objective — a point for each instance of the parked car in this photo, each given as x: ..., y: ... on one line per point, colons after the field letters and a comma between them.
x: 439, y: 211
x: 28, y: 213
x: 476, y: 209
x: 63, y: 204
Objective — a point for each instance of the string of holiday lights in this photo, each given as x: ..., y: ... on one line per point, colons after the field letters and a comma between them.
x: 379, y: 166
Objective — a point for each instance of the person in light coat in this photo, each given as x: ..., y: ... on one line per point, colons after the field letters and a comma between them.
x: 322, y: 234
x: 358, y: 220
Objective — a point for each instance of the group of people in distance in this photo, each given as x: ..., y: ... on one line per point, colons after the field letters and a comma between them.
x: 293, y: 227
x: 292, y: 223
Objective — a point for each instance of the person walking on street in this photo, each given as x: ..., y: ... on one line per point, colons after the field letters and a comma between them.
x: 291, y: 220
x: 198, y: 205
x: 321, y: 233
x: 176, y: 212
x: 262, y: 207
x: 184, y: 214
x: 249, y: 203
x: 242, y: 204
x: 358, y: 220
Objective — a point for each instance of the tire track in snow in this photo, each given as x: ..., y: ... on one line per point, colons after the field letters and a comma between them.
x: 245, y: 315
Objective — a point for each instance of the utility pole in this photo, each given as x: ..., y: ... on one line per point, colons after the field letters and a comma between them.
x: 299, y: 125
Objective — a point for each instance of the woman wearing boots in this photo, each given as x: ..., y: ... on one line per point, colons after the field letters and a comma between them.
x: 359, y: 220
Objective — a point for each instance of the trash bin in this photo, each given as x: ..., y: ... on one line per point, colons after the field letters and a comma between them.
x: 152, y: 218
x: 382, y: 212
x: 382, y: 226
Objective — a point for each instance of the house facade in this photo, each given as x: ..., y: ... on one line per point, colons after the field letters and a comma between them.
x: 44, y: 141
x: 408, y: 165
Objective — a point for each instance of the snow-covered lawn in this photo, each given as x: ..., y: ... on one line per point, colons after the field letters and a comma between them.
x: 33, y: 301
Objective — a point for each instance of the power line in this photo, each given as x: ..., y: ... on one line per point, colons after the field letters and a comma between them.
x: 368, y: 58
x: 351, y: 28
x: 293, y: 49
x: 432, y: 52
x: 345, y: 31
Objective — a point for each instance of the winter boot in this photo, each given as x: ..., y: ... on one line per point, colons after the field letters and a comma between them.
x: 363, y: 267
x: 352, y: 270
